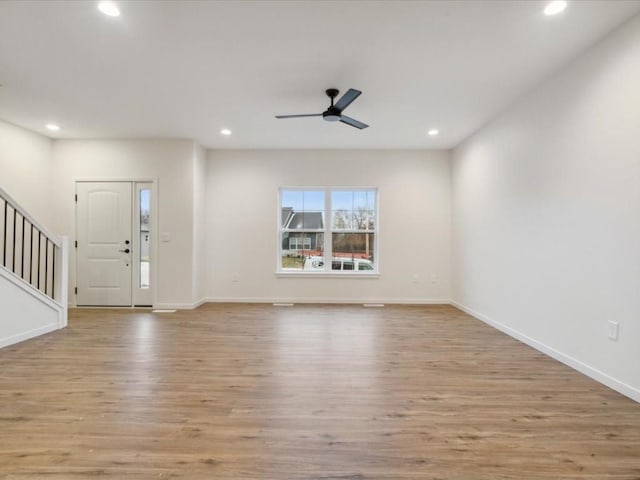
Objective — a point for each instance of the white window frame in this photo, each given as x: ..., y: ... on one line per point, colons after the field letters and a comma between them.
x: 327, y: 233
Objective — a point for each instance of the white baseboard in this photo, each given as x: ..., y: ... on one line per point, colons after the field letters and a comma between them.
x: 597, y: 375
x: 21, y: 337
x: 202, y: 301
x: 324, y: 300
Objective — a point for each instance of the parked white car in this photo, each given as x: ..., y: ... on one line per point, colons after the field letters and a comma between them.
x: 316, y: 263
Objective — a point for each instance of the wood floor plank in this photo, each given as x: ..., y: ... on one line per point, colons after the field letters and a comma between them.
x: 312, y: 392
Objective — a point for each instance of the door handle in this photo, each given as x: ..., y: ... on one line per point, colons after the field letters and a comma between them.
x: 126, y: 250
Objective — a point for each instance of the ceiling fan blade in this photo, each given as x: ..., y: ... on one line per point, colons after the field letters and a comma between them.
x: 347, y: 98
x: 352, y: 122
x: 298, y: 116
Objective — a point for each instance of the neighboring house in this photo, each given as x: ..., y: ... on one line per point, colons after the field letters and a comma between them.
x: 306, y: 239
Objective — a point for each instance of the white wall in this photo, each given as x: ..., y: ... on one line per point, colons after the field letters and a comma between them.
x: 25, y: 171
x: 25, y: 312
x: 546, y: 215
x: 242, y: 206
x: 168, y: 161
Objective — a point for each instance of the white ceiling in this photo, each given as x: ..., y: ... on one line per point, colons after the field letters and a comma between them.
x: 185, y: 69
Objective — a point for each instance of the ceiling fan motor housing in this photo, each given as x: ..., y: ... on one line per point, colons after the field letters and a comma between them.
x: 332, y: 114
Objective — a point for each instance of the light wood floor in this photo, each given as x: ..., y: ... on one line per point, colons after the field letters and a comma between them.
x: 302, y: 393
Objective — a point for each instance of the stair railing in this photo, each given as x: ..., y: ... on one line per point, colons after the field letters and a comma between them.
x: 29, y: 250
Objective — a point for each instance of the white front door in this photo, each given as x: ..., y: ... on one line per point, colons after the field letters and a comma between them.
x: 105, y: 242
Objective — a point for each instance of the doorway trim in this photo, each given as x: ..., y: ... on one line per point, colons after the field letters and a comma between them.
x: 154, y: 234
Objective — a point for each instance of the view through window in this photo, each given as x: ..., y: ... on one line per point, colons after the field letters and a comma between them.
x: 145, y: 241
x: 328, y: 230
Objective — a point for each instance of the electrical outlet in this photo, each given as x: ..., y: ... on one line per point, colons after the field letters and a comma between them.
x: 235, y: 278
x: 612, y: 330
x: 434, y: 279
x: 415, y: 278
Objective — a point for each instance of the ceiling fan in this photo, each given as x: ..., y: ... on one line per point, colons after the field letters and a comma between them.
x: 334, y: 112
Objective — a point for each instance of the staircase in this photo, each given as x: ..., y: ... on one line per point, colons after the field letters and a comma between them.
x: 33, y: 275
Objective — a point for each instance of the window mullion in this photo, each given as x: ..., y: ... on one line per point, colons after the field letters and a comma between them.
x: 328, y: 239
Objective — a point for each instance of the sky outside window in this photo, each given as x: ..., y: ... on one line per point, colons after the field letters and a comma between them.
x: 145, y: 201
x: 300, y: 201
x: 353, y: 200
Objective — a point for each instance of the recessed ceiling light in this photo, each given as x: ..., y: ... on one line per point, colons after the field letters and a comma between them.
x: 225, y: 131
x: 53, y: 127
x: 433, y: 132
x: 555, y: 7
x: 109, y: 8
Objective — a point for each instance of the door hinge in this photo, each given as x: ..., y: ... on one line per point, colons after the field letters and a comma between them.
x: 76, y: 198
x: 76, y: 290
x: 76, y: 243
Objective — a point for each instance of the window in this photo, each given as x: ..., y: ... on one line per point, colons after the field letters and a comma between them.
x: 328, y: 230
x: 299, y: 243
x: 144, y: 248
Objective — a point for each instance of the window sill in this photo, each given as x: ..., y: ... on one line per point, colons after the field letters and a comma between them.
x: 371, y: 276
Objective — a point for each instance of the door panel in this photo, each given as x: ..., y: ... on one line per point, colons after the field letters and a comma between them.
x: 104, y: 235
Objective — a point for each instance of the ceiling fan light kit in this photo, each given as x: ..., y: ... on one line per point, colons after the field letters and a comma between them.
x: 334, y: 112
